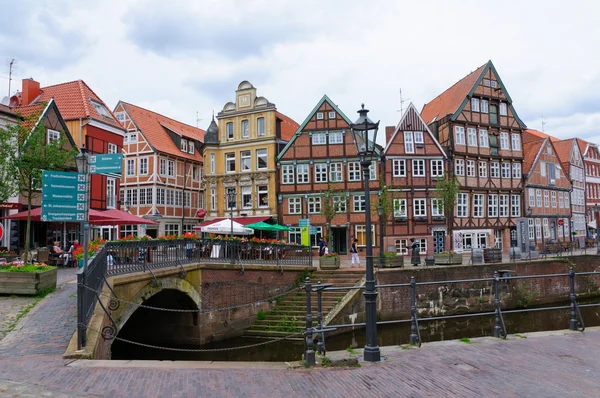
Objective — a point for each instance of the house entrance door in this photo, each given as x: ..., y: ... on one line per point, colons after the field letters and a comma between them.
x: 340, y: 240
x: 438, y: 241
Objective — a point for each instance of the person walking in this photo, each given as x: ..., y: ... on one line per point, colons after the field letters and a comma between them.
x: 322, y: 247
x: 354, y: 253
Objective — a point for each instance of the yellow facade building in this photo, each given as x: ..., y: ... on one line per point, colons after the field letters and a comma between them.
x: 240, y: 151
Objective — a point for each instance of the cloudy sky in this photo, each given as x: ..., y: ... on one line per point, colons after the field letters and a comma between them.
x: 179, y: 58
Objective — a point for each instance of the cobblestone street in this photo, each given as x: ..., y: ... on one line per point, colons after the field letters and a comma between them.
x: 554, y: 365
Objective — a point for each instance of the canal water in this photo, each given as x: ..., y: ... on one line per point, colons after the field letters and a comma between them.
x: 391, y: 334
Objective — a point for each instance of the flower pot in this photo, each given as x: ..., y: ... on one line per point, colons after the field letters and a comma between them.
x: 448, y: 259
x: 393, y: 262
x: 27, y: 282
x: 80, y: 263
x: 329, y: 262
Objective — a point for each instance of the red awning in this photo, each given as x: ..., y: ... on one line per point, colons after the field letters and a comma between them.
x: 240, y: 220
x: 118, y: 217
x: 95, y: 215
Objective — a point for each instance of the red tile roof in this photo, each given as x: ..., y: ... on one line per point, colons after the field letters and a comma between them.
x: 73, y: 101
x: 288, y: 126
x: 531, y: 149
x: 154, y: 128
x: 239, y: 220
x: 31, y: 113
x: 583, y: 144
x: 448, y: 102
x: 563, y: 151
x: 533, y: 135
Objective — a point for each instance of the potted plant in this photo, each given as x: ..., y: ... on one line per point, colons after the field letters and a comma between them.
x: 329, y: 261
x: 392, y: 260
x: 447, y: 258
x: 19, y: 278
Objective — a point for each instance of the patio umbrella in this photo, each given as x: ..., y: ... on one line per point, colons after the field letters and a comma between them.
x: 278, y: 228
x: 262, y: 226
x: 95, y: 215
x: 223, y: 227
x: 118, y: 217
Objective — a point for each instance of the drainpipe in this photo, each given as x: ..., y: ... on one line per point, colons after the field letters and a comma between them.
x: 183, y: 195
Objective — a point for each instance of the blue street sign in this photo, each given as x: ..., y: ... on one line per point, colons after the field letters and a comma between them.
x: 63, y: 206
x: 64, y: 196
x: 64, y: 216
x: 110, y: 163
x: 313, y: 230
x: 304, y: 222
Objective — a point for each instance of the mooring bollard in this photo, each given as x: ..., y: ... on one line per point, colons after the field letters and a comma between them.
x: 573, y: 320
x: 414, y: 336
x: 321, y: 343
x: 497, y: 327
x: 309, y: 353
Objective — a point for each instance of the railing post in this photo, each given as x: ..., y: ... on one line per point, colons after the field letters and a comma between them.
x: 573, y: 319
x: 80, y: 309
x: 321, y: 343
x: 414, y: 337
x: 309, y: 354
x: 497, y: 327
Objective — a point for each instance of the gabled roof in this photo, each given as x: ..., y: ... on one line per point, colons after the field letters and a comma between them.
x: 412, y: 110
x: 73, y: 100
x: 153, y: 126
x: 288, y: 126
x: 564, y: 149
x: 531, y: 150
x: 6, y: 110
x: 533, y: 135
x: 454, y: 99
x: 41, y: 109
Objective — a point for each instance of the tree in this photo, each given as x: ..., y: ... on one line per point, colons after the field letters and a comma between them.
x: 329, y: 208
x: 446, y: 190
x: 30, y: 153
x: 386, y: 198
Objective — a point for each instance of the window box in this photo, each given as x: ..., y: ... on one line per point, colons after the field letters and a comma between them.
x: 438, y: 218
x: 329, y: 262
x: 32, y: 283
x: 421, y: 218
x: 401, y: 219
x: 394, y: 261
x: 448, y: 259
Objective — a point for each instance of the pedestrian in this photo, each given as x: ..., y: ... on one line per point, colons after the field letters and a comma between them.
x: 321, y: 247
x: 354, y: 253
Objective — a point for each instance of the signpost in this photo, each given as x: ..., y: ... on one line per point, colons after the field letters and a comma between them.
x: 304, y: 224
x: 110, y: 163
x: 63, y: 196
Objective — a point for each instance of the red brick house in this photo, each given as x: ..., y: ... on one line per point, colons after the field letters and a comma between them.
x: 591, y: 163
x: 414, y: 162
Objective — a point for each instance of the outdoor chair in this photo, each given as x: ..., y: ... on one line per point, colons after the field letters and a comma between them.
x: 43, y: 256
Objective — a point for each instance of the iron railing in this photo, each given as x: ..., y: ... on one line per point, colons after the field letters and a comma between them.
x: 136, y: 256
x: 89, y: 280
x: 576, y: 321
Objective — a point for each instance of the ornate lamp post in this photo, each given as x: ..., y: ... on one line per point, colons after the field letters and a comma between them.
x: 231, y: 199
x: 380, y: 213
x: 364, y: 131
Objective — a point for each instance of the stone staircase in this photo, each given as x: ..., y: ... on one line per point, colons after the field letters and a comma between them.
x: 289, y: 314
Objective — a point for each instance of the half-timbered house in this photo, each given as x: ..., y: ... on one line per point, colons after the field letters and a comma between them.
x: 162, y: 171
x: 475, y: 119
x: 414, y: 162
x: 591, y: 163
x: 321, y: 160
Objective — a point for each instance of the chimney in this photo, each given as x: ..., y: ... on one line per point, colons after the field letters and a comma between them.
x: 31, y: 89
x: 389, y: 132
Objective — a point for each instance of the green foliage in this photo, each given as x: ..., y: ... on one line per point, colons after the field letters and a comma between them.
x: 386, y: 197
x: 13, y: 323
x: 301, y: 278
x: 520, y: 336
x: 465, y: 340
x: 325, y: 362
x: 260, y: 316
x: 329, y: 209
x: 24, y: 268
x: 390, y: 255
x: 527, y: 294
x: 351, y: 350
x: 305, y: 364
x: 447, y: 189
x: 287, y: 324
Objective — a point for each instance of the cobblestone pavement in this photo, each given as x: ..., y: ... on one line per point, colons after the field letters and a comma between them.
x: 31, y: 364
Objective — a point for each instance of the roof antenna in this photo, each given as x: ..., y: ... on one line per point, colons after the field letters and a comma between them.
x: 402, y: 101
x: 11, y: 63
x: 543, y: 123
x: 198, y: 120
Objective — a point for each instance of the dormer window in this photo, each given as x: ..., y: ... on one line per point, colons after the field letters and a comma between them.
x: 331, y: 115
x: 191, y: 148
x: 320, y: 116
x: 184, y: 145
x: 120, y: 116
x: 53, y: 135
x: 101, y: 109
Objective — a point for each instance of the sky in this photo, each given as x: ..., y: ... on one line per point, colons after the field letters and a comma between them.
x: 185, y: 59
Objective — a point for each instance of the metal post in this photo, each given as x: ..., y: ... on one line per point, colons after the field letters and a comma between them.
x: 414, y: 337
x: 231, y: 241
x: 80, y: 306
x: 309, y: 353
x: 371, y: 351
x: 573, y: 320
x: 380, y: 212
x: 321, y: 343
x: 497, y: 327
x: 597, y: 228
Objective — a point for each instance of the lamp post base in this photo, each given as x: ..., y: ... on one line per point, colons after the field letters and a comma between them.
x: 372, y: 354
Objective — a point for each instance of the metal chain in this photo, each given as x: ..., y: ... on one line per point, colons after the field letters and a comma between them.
x: 138, y: 305
x: 201, y: 349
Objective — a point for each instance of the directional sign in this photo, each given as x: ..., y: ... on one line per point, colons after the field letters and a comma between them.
x: 64, y: 196
x: 63, y: 216
x: 304, y: 222
x: 313, y: 230
x: 106, y: 163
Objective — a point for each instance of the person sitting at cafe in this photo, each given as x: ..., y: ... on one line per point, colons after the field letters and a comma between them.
x: 60, y: 253
x: 73, y: 247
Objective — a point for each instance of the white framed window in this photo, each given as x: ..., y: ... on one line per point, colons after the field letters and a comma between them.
x: 503, y: 206
x: 361, y: 234
x: 53, y: 136
x: 484, y: 139
x: 111, y: 193
x: 420, y: 207
x: 170, y: 197
x: 171, y: 229
x: 160, y: 196
x: 320, y: 172
x: 294, y: 205
x: 246, y: 197
x: 319, y: 139
x: 229, y: 127
x: 314, y: 238
x: 437, y: 168
x: 419, y: 137
x: 495, y: 170
x: 475, y: 104
x: 331, y: 115
x: 530, y: 229
x: 245, y: 128
x: 314, y: 205
x: 261, y: 159
x: 472, y: 136
x: 418, y: 168
x: 399, y: 167
x: 553, y: 199
x: 546, y: 198
x: 462, y: 205
x: 340, y: 204
x: 515, y: 142
x: 538, y: 228
x: 213, y: 199
x: 538, y: 198
x: 336, y: 137
x: 437, y: 207
x: 302, y: 174
x: 478, y: 205
x: 246, y: 160
x: 260, y: 126
x: 230, y: 162
x: 187, y: 199
x: 184, y: 145
x: 505, y: 170
x: 358, y: 203
x: 142, y: 198
x: 143, y: 166
x: 515, y: 208
x: 112, y: 148
x: 295, y: 235
x: 516, y: 170
x: 470, y: 168
x: 336, y: 172
x: 402, y: 246
x: 459, y: 167
x: 542, y: 168
x: 178, y: 198
x: 459, y: 132
x: 373, y: 171
x: 546, y: 228
x: 561, y: 199
x: 354, y: 171
x: 482, y: 169
x: 191, y: 148
x: 133, y: 138
x: 503, y: 109
x: 400, y: 208
x: 320, y: 116
x: 504, y: 140
x: 171, y: 168
x: 263, y: 195
x: 492, y: 205
x: 128, y: 230
x: 531, y: 194
x: 484, y: 106
x: 409, y: 145
x: 131, y: 167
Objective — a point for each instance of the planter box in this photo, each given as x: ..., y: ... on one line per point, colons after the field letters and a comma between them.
x: 448, y: 259
x: 393, y: 262
x: 329, y: 262
x: 27, y: 282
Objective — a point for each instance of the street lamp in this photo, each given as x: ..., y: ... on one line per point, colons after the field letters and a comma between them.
x: 597, y: 211
x: 380, y: 213
x: 364, y: 131
x: 231, y: 198
x: 83, y: 167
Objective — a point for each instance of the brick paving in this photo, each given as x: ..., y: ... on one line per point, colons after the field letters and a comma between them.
x: 31, y: 364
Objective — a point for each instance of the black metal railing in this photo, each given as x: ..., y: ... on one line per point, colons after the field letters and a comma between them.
x: 576, y: 321
x: 90, y: 280
x: 136, y: 256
